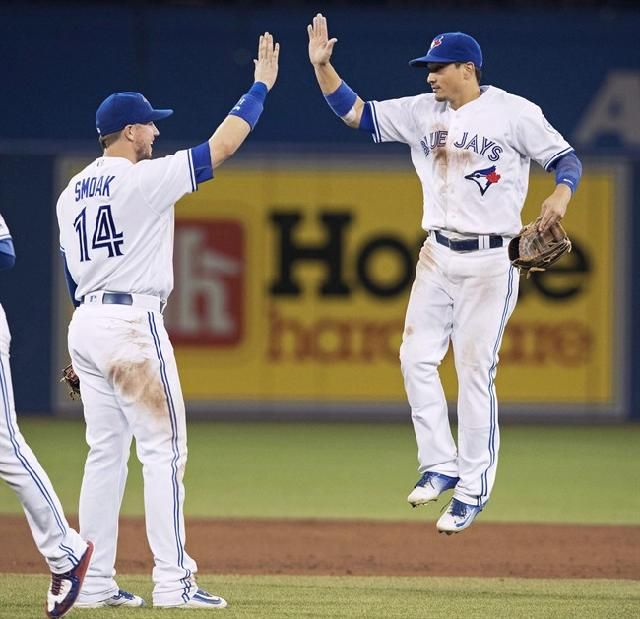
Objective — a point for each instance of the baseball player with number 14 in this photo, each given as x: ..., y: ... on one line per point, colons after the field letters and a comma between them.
x: 116, y: 220
x: 471, y: 146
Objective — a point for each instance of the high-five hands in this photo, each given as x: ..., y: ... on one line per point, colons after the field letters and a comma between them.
x: 266, y: 66
x: 320, y: 45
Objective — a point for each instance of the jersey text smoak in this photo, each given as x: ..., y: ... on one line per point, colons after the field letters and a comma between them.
x: 91, y: 186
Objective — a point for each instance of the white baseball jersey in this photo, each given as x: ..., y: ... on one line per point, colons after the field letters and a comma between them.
x: 5, y: 336
x: 473, y: 162
x: 116, y: 221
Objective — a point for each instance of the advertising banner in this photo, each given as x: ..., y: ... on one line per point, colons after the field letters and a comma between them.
x: 292, y: 280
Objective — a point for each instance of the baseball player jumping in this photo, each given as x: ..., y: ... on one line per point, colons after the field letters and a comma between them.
x: 66, y: 553
x: 471, y: 146
x: 116, y: 220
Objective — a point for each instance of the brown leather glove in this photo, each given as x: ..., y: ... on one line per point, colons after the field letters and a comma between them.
x: 534, y: 251
x: 70, y: 377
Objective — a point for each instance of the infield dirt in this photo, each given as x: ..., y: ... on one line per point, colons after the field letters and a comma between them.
x: 339, y: 547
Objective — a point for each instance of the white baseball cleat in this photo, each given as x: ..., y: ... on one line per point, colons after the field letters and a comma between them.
x: 201, y: 599
x: 430, y: 486
x: 122, y: 598
x: 457, y: 517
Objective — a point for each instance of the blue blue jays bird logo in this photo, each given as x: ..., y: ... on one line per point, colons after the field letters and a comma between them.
x: 484, y: 178
x: 437, y: 41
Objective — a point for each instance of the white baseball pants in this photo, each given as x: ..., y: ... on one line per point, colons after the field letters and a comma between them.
x: 465, y: 298
x: 130, y: 387
x: 60, y: 545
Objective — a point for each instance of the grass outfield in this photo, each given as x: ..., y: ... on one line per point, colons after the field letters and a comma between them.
x: 576, y: 474
x: 278, y: 597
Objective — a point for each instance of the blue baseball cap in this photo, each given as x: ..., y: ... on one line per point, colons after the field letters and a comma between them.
x: 125, y: 108
x: 451, y: 47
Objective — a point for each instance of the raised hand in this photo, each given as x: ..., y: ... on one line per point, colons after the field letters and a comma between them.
x: 266, y: 66
x: 320, y: 46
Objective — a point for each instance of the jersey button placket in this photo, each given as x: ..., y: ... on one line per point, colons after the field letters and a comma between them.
x: 451, y: 180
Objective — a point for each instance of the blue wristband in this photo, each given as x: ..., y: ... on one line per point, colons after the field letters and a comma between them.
x: 259, y: 90
x: 341, y: 101
x: 251, y: 104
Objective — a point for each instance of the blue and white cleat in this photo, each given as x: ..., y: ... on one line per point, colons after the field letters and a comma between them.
x: 200, y: 599
x: 430, y: 486
x: 64, y: 588
x: 122, y: 598
x: 457, y: 517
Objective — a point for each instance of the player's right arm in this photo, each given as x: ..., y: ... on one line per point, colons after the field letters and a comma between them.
x: 342, y: 100
x: 242, y: 118
x: 387, y: 121
x: 165, y: 180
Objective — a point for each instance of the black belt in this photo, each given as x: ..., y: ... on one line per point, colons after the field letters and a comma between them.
x: 125, y: 298
x: 467, y: 244
x: 117, y: 298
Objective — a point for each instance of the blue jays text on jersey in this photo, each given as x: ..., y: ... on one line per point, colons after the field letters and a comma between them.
x: 93, y: 186
x: 478, y: 144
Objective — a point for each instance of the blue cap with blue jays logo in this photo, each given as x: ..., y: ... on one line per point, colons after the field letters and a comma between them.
x: 451, y: 47
x: 126, y: 108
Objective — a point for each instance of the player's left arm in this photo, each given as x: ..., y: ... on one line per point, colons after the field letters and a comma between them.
x: 71, y: 284
x: 568, y: 171
x: 7, y: 254
x: 537, y: 139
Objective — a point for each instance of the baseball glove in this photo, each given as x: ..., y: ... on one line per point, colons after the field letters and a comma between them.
x: 534, y: 251
x: 70, y: 377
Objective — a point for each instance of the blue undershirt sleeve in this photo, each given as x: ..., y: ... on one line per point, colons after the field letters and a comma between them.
x: 366, y: 120
x: 71, y: 284
x: 202, y: 165
x: 7, y: 254
x: 568, y: 170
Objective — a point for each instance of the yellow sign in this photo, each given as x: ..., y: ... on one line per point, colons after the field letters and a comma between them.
x: 292, y: 284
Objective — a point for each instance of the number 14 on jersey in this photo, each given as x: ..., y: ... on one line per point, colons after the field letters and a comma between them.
x: 105, y: 234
